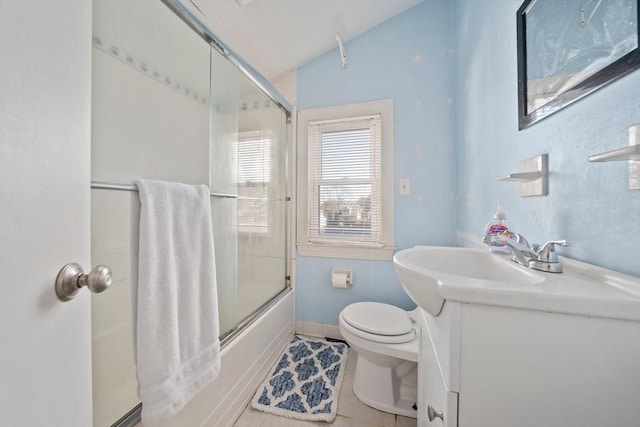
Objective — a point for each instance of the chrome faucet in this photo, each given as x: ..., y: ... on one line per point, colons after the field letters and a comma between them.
x: 543, y: 258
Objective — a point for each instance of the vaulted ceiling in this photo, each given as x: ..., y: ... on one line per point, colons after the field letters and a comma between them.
x: 276, y: 36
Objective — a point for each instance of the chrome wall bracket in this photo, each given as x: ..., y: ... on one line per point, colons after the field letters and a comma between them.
x: 532, y: 175
x: 630, y: 153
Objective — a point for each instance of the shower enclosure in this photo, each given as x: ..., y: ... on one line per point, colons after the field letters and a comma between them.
x: 169, y: 103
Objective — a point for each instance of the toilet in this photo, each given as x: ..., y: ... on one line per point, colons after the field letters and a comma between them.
x: 385, y: 338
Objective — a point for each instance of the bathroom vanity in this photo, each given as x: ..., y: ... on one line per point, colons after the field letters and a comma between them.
x: 543, y: 349
x: 483, y: 365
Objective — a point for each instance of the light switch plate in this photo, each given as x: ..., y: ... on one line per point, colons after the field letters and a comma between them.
x: 405, y: 188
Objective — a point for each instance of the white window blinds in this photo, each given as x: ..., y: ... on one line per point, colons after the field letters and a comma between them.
x: 344, y: 181
x: 254, y: 176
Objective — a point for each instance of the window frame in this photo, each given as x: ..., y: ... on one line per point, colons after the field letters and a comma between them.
x: 342, y: 249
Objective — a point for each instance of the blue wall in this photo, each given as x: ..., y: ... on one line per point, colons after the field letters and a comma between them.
x: 588, y: 203
x: 409, y: 58
x: 450, y: 67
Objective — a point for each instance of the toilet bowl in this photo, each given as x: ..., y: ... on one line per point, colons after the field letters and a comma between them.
x: 385, y: 338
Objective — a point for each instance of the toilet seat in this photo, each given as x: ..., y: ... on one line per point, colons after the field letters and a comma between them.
x: 378, y: 322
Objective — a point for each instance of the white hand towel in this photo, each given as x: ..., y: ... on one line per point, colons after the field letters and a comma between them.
x: 176, y: 329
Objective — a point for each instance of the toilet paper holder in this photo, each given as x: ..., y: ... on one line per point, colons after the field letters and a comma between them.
x: 341, y: 278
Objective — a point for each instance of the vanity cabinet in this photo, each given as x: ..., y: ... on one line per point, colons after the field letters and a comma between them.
x: 490, y: 366
x: 437, y: 405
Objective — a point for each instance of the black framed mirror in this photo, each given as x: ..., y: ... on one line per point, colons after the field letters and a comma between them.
x: 570, y: 48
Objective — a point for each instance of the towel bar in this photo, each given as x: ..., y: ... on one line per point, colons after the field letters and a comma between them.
x: 132, y: 187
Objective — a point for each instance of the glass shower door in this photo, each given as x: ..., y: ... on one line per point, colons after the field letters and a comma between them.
x: 168, y: 106
x: 150, y: 119
x: 262, y: 231
x: 248, y: 158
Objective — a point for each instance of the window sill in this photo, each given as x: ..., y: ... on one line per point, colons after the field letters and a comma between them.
x: 328, y: 250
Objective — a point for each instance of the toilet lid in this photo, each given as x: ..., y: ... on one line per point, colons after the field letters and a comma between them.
x: 377, y: 318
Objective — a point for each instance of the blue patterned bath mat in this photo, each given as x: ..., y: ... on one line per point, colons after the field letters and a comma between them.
x: 305, y: 382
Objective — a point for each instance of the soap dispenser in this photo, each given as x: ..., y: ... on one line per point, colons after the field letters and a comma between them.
x: 496, y: 226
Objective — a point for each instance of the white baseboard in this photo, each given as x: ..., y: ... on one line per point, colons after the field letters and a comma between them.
x: 317, y: 330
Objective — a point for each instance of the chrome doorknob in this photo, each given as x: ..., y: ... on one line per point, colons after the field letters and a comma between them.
x: 71, y: 279
x: 433, y: 414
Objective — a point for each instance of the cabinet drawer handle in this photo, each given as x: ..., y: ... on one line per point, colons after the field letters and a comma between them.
x: 433, y: 414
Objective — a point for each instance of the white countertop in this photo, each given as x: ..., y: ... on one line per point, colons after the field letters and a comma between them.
x: 582, y: 289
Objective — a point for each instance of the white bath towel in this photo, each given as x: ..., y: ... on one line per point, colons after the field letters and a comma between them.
x: 176, y: 329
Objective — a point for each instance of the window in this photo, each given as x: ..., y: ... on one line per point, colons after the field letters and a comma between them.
x: 254, y: 175
x: 345, y: 183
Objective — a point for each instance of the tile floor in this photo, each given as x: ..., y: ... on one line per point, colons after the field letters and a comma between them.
x: 351, y: 412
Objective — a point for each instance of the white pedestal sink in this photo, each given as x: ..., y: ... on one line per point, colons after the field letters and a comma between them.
x: 432, y: 274
x: 424, y: 270
x: 504, y: 345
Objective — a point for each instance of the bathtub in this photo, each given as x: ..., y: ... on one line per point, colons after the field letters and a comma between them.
x: 246, y: 359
